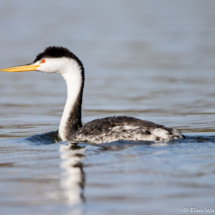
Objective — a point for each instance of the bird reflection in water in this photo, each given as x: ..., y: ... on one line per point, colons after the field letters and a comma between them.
x: 73, y: 177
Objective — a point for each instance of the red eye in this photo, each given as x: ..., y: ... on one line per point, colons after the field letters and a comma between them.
x: 43, y: 61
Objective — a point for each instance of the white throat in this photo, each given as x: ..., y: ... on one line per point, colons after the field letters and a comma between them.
x: 74, y: 81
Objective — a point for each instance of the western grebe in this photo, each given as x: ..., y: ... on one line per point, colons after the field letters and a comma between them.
x: 61, y: 60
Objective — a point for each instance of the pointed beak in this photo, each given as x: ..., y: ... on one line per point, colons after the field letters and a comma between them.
x: 23, y: 68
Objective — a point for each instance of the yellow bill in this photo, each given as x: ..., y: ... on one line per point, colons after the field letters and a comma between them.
x: 23, y: 68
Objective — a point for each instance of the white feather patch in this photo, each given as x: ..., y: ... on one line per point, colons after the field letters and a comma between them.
x: 73, y: 78
x: 161, y: 133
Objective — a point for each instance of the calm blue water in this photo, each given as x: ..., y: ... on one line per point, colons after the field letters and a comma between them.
x: 153, y: 60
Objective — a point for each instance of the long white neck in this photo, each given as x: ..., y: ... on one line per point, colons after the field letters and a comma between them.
x: 71, y: 118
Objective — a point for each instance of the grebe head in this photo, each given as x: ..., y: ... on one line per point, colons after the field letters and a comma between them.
x: 52, y: 60
x: 57, y: 60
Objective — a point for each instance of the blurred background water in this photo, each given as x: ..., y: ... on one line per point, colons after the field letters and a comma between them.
x: 153, y: 60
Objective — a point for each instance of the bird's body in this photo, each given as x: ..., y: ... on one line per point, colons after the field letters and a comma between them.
x: 123, y: 128
x: 61, y: 60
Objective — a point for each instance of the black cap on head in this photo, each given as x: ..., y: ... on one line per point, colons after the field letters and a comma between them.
x: 58, y: 52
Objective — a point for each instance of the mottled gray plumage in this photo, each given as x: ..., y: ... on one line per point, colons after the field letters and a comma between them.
x: 123, y: 128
